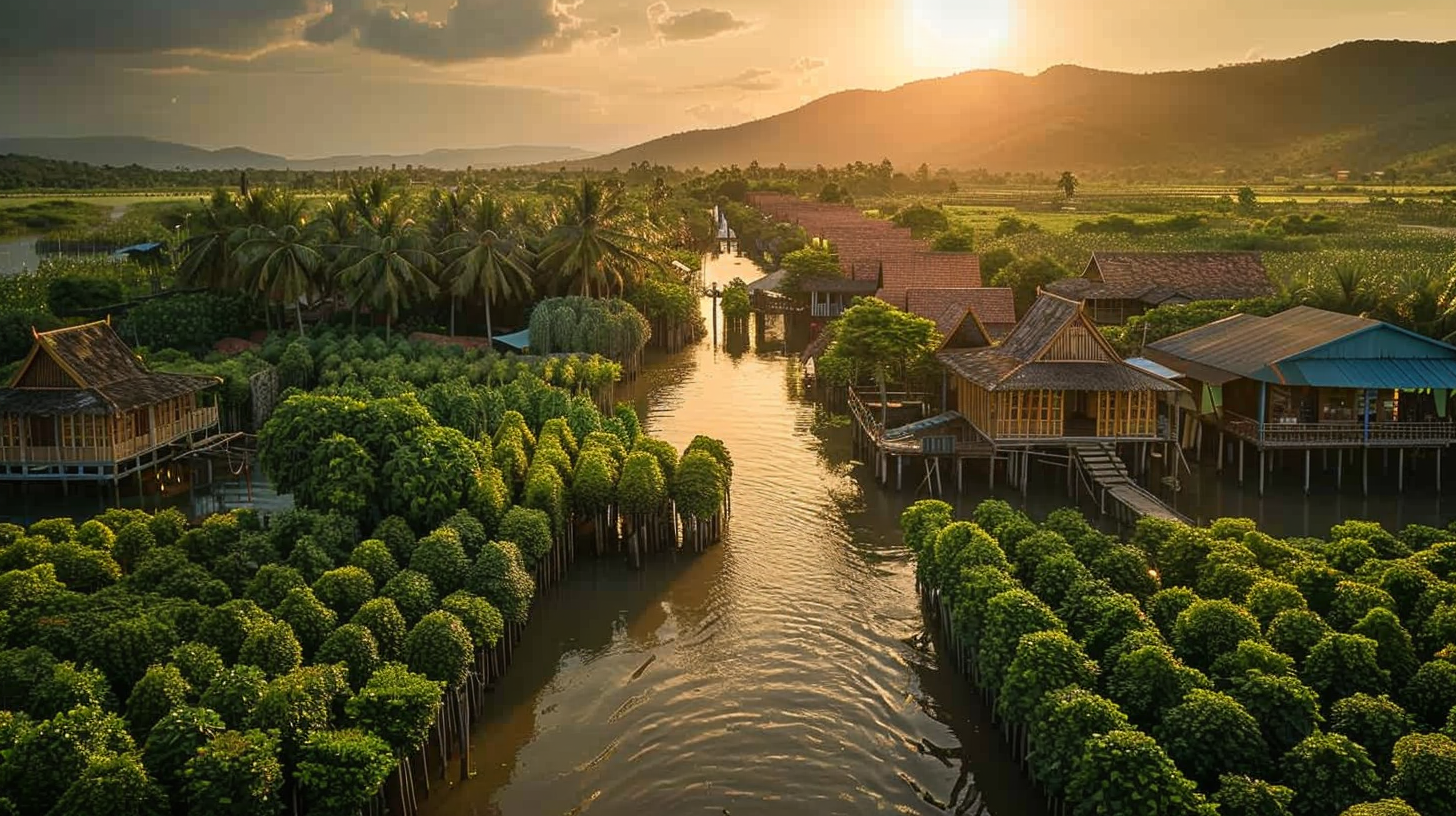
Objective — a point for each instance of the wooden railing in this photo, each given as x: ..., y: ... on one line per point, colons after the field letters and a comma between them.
x: 827, y: 309
x: 1339, y: 434
x: 198, y: 420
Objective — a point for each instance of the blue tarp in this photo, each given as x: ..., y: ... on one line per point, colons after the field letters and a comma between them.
x: 137, y: 249
x: 520, y: 341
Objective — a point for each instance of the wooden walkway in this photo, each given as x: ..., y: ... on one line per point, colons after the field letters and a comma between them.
x: 1108, y: 480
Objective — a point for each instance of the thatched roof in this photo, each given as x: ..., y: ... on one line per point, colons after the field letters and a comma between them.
x: 88, y: 369
x: 1017, y: 364
x: 1161, y: 277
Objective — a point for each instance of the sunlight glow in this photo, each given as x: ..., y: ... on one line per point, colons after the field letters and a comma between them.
x: 956, y: 35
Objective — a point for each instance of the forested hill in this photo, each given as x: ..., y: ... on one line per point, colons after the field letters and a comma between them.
x: 1361, y: 105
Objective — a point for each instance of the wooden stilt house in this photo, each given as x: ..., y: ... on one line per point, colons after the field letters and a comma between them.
x: 1056, y: 380
x: 83, y: 407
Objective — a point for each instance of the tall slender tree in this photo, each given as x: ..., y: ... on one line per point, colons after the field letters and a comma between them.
x: 388, y: 264
x: 485, y: 258
x: 283, y: 264
x: 591, y: 247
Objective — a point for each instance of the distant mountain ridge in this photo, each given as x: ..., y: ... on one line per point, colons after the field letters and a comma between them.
x: 1363, y: 104
x: 121, y: 151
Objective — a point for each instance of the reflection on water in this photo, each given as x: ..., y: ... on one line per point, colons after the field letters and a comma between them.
x: 18, y: 253
x: 192, y: 487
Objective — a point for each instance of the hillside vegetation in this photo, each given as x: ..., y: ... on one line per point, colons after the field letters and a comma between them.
x: 1361, y: 105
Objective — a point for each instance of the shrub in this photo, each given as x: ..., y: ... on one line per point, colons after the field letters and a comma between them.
x: 1243, y: 796
x: 237, y: 773
x: 65, y: 688
x: 440, y: 556
x: 114, y: 784
x: 1058, y: 576
x: 1393, y: 647
x: 1044, y: 662
x: 413, y: 592
x: 56, y: 530
x: 483, y: 621
x: 977, y: 587
x: 1208, y: 629
x: 159, y: 691
x: 1376, y: 723
x: 530, y: 530
x: 1166, y: 605
x: 1296, y: 632
x: 338, y: 771
x: 397, y: 705
x: 1065, y: 720
x: 1353, y: 601
x: 439, y: 647
x: 227, y: 627
x: 1287, y: 710
x: 1268, y: 597
x: 1385, y: 807
x: 500, y: 577
x: 1317, y: 582
x: 235, y: 692
x: 1328, y: 773
x: 1341, y: 665
x: 272, y: 583
x: 199, y: 664
x: 298, y: 704
x: 309, y: 619
x: 1210, y: 733
x: 374, y: 557
x: 1149, y: 680
x: 1425, y: 770
x: 1111, y: 619
x: 273, y: 648
x: 352, y: 645
x: 344, y: 590
x: 472, y: 532
x: 1126, y: 773
x: 382, y: 618
x: 1009, y: 616
x: 47, y: 759
x: 175, y: 739
x: 1431, y: 693
x: 82, y: 569
x: 396, y: 534
x: 1251, y: 655
x: 1126, y: 569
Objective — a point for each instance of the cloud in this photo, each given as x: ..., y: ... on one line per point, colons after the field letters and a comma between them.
x: 807, y: 65
x: 471, y: 30
x: 717, y: 115
x: 698, y: 24
x: 753, y: 79
x: 67, y: 26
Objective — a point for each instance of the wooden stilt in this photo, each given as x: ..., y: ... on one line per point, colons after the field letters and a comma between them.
x: 1220, y: 451
x: 1339, y: 469
x: 1261, y: 471
x: 1400, y: 481
x: 1365, y: 474
x: 1241, y: 461
x: 1306, y: 472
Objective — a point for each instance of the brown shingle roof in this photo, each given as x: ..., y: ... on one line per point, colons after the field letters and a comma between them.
x: 1156, y: 277
x: 995, y: 307
x: 92, y: 352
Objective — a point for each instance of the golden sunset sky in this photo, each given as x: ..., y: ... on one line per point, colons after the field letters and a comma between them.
x: 306, y: 78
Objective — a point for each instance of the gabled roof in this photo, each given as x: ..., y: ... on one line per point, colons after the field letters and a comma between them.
x: 995, y: 307
x: 105, y: 373
x: 1018, y: 365
x: 1309, y: 346
x: 1159, y: 277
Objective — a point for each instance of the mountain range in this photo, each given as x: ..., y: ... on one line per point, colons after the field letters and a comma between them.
x: 121, y: 151
x: 1363, y: 105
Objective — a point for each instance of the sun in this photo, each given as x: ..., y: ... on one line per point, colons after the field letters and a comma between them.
x: 956, y: 35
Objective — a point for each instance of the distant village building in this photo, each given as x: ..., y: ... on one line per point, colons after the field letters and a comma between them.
x: 83, y: 407
x: 1307, y: 379
x: 994, y: 308
x: 1119, y: 285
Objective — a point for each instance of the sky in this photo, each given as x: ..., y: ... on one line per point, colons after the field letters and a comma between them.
x: 308, y: 78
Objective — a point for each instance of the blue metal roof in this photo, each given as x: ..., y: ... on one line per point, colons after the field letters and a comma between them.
x: 519, y: 341
x: 1391, y: 373
x: 921, y: 426
x: 1156, y: 369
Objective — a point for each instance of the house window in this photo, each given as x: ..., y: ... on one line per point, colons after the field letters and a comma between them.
x: 9, y: 431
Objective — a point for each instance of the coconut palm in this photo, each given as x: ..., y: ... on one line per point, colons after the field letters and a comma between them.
x: 388, y: 264
x: 590, y: 246
x: 282, y: 264
x: 1425, y: 300
x: 485, y: 258
x: 207, y: 251
x: 367, y: 200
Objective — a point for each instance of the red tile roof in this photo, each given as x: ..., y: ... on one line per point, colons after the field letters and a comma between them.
x: 995, y: 307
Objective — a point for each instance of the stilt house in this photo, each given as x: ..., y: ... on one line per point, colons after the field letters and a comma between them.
x: 83, y: 407
x: 1055, y: 380
x: 1119, y: 285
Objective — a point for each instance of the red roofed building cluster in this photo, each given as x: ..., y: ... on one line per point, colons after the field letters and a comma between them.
x: 871, y: 250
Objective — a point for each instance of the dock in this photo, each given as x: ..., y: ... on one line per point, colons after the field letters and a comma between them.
x: 1106, y: 477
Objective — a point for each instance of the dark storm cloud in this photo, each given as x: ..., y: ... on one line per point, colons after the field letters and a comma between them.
x: 472, y: 29
x: 136, y: 26
x: 698, y: 24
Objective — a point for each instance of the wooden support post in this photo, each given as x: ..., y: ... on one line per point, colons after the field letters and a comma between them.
x: 899, y: 472
x: 1261, y: 471
x: 1241, y: 461
x: 1220, y: 450
x: 1439, y: 451
x: 1339, y: 468
x: 1400, y: 462
x: 1365, y: 475
x: 1306, y: 471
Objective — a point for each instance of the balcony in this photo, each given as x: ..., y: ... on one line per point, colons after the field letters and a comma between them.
x: 1340, y: 434
x: 194, y: 421
x: 823, y: 309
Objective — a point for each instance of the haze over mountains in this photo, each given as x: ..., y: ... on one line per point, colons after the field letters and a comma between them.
x: 120, y: 151
x: 1363, y: 105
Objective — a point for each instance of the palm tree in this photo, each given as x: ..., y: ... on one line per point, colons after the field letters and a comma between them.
x: 590, y: 243
x: 207, y: 251
x: 282, y: 264
x: 1068, y: 184
x: 388, y: 264
x: 1425, y: 301
x: 368, y: 199
x: 484, y: 258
